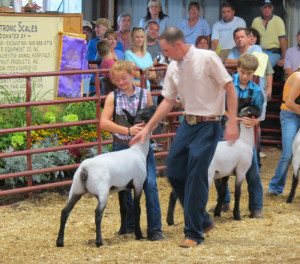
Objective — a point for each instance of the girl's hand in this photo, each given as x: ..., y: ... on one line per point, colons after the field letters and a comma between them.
x: 249, y: 122
x: 136, y: 128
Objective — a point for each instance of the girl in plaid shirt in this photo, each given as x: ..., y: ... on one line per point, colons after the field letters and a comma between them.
x: 113, y: 119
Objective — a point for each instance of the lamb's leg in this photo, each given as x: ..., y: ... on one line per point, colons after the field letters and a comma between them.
x: 64, y: 217
x: 102, y: 201
x: 237, y: 197
x: 137, y: 214
x: 223, y: 188
x: 122, y: 202
x: 294, y: 186
x: 171, y: 208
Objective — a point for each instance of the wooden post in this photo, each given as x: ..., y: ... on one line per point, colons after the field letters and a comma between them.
x: 104, y: 8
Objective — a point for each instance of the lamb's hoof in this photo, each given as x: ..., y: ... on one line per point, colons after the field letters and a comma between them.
x: 217, y: 214
x: 139, y: 236
x: 124, y: 231
x: 237, y: 217
x: 289, y: 199
x: 59, y: 244
x: 170, y: 220
x: 98, y: 244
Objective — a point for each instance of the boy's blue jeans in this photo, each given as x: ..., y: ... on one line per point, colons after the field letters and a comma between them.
x: 151, y: 193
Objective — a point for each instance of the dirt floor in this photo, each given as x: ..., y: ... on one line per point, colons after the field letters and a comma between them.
x: 28, y: 231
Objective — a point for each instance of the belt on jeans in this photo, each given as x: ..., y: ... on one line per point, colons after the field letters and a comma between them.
x: 121, y: 141
x: 193, y: 119
x: 275, y: 50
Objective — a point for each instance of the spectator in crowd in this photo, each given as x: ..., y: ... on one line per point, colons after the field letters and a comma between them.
x: 242, y: 41
x: 222, y: 31
x: 124, y: 22
x: 290, y: 124
x: 197, y: 136
x: 138, y: 55
x: 154, y: 12
x: 272, y: 32
x: 87, y: 29
x: 112, y: 38
x: 254, y: 37
x: 104, y: 49
x: 292, y: 58
x: 195, y: 25
x: 127, y: 96
x: 153, y: 47
x: 202, y: 42
x: 101, y: 25
x: 249, y: 94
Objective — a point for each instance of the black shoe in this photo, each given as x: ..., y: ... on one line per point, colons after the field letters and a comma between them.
x: 156, y: 237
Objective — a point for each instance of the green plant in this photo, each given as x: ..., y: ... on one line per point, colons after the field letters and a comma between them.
x: 18, y: 140
x: 49, y: 117
x: 39, y: 161
x: 16, y: 117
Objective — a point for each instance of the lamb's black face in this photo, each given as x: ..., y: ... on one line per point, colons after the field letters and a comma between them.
x: 145, y: 114
x: 250, y: 111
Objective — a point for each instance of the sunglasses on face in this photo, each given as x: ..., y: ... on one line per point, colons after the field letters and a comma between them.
x: 138, y: 28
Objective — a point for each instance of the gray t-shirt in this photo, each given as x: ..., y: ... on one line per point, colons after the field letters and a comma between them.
x: 154, y: 50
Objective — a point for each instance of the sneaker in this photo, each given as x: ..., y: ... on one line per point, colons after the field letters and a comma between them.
x: 271, y: 193
x: 262, y: 155
x: 156, y: 237
x: 156, y: 147
x: 256, y: 215
x: 225, y: 208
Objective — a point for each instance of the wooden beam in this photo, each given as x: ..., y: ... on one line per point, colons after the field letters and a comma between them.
x: 104, y: 8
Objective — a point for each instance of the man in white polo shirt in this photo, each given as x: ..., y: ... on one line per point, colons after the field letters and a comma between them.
x: 200, y: 79
x: 222, y: 31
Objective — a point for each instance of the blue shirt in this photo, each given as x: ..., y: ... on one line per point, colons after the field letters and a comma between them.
x: 235, y: 53
x: 191, y: 33
x: 92, y: 49
x: 142, y: 63
x: 257, y: 96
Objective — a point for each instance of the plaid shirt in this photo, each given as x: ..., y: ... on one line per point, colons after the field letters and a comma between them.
x: 130, y: 103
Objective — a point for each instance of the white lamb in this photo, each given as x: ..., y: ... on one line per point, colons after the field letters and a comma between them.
x: 235, y: 160
x: 109, y: 173
x: 296, y: 166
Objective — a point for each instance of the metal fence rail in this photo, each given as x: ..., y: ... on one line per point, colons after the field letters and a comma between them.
x: 28, y: 128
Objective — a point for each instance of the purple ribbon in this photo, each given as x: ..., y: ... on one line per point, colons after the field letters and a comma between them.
x: 73, y: 57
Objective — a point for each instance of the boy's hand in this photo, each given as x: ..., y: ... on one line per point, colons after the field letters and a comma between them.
x: 140, y: 137
x: 137, y: 128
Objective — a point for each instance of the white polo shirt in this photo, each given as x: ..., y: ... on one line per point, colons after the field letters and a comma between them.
x: 199, y: 79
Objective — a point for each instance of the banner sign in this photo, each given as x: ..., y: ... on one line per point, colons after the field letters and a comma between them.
x: 72, y: 57
x: 29, y: 44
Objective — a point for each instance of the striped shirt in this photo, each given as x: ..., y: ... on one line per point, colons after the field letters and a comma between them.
x: 130, y: 103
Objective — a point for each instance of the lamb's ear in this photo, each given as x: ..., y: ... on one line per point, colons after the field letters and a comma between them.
x: 128, y: 117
